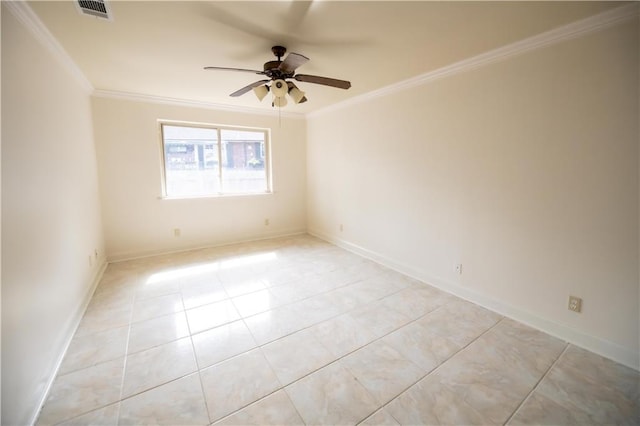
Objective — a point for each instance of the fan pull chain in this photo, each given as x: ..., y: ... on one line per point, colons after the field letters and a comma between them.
x: 273, y: 105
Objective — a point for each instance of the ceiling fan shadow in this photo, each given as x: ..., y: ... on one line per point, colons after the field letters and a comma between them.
x: 289, y: 23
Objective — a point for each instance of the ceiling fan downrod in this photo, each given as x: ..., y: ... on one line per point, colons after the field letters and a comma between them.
x: 279, y: 51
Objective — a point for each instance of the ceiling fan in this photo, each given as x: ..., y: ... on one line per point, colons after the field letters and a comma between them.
x: 279, y: 72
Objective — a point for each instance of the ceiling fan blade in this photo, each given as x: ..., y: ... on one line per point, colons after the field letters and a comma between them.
x: 291, y: 62
x: 234, y: 69
x: 297, y: 12
x: 245, y: 89
x: 222, y: 14
x: 341, y: 84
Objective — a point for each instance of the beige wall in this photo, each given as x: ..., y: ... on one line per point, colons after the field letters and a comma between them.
x: 137, y: 222
x: 50, y: 216
x: 524, y: 170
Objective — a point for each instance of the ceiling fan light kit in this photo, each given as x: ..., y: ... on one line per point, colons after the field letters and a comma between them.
x: 279, y: 88
x: 279, y: 102
x: 279, y: 71
x: 296, y: 94
x: 261, y: 91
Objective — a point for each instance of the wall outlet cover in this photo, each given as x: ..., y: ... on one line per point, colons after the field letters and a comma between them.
x: 575, y: 304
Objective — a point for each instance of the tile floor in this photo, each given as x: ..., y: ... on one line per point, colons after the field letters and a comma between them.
x: 297, y: 331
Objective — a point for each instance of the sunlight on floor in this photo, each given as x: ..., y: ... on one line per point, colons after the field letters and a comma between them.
x: 190, y: 271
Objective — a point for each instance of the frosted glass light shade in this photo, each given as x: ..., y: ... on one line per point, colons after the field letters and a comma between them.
x: 280, y: 102
x: 296, y: 94
x: 261, y: 91
x: 279, y: 88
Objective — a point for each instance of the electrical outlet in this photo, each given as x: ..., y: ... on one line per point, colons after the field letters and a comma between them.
x: 266, y: 222
x: 575, y: 304
x: 176, y: 232
x: 341, y: 228
x: 458, y: 268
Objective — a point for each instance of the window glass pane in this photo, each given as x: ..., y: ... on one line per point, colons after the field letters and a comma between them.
x: 243, y: 161
x: 191, y: 161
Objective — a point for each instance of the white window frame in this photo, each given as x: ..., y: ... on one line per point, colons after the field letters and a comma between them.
x: 219, y: 128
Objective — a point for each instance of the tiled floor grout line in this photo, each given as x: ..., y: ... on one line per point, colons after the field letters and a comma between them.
x: 323, y: 278
x: 268, y: 363
x: 526, y: 398
x: 185, y: 310
x: 195, y: 356
x: 121, y: 381
x: 293, y: 405
x: 434, y: 370
x: 124, y: 368
x: 126, y: 357
x: 283, y: 387
x: 155, y: 346
x: 300, y: 300
x: 259, y: 347
x: 251, y: 292
x: 134, y: 298
x: 338, y: 315
x: 327, y: 319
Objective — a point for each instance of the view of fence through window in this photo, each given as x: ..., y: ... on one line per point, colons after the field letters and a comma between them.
x: 201, y: 161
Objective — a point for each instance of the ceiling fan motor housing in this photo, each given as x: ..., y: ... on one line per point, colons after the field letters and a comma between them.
x: 272, y: 65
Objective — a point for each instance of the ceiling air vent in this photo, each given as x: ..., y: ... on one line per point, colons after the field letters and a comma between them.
x: 98, y: 8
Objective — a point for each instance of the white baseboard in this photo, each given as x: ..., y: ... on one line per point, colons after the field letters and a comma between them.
x: 72, y: 326
x: 140, y: 254
x: 594, y: 344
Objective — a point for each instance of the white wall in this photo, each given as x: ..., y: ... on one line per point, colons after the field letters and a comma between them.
x: 523, y: 170
x: 50, y: 216
x: 137, y: 222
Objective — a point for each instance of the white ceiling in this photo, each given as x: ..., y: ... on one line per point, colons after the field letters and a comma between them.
x: 159, y: 48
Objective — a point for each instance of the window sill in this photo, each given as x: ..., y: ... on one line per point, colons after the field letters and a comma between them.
x: 201, y: 197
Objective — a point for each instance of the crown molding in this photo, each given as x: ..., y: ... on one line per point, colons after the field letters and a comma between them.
x: 21, y: 10
x: 23, y: 13
x: 566, y: 32
x: 138, y: 97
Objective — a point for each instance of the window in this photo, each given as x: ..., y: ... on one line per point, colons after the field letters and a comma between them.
x: 201, y: 160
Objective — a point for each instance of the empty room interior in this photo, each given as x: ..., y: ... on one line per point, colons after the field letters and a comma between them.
x: 320, y: 212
